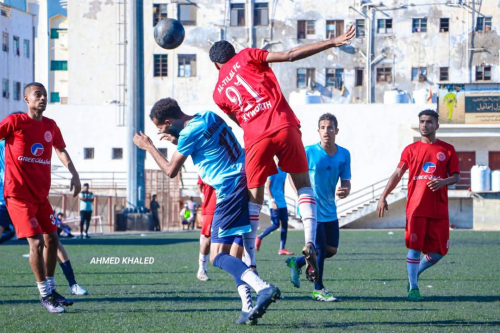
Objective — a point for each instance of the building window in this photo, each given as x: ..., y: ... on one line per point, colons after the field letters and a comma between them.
x: 5, y: 42
x: 117, y: 153
x: 5, y: 10
x: 5, y: 88
x: 444, y: 24
x: 17, y: 48
x: 54, y: 97
x: 237, y: 15
x: 187, y: 65
x: 419, y: 74
x: 17, y: 90
x: 306, y: 77
x: 26, y: 49
x: 359, y: 77
x: 58, y: 65
x: 483, y: 24
x: 54, y: 33
x: 334, y: 77
x: 187, y: 14
x: 88, y: 153
x: 360, y: 28
x: 159, y: 13
x: 163, y: 152
x: 419, y: 25
x: 384, y: 74
x: 334, y: 28
x: 384, y: 26
x: 160, y: 65
x: 306, y: 29
x: 483, y: 73
x: 261, y: 14
x: 444, y: 73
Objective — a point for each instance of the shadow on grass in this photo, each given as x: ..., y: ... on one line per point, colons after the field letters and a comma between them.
x: 116, y: 241
x: 428, y: 299
x: 436, y: 323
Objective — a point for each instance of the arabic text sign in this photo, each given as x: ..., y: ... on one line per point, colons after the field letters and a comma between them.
x: 482, y: 104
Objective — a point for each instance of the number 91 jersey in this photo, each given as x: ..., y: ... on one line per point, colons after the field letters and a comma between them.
x: 248, y: 87
x: 216, y: 153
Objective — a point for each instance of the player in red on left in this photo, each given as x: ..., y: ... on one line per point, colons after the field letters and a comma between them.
x: 29, y: 139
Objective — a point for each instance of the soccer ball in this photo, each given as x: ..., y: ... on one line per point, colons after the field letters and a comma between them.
x: 169, y: 33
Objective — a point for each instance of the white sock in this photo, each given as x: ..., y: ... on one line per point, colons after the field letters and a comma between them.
x: 254, y: 281
x: 249, y: 237
x: 308, y: 211
x: 412, y: 264
x: 43, y: 288
x: 429, y: 260
x: 202, y: 238
x: 246, y: 297
x: 51, y: 282
x: 203, y: 261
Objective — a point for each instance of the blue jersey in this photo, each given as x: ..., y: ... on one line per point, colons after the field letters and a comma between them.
x: 215, y: 151
x: 277, y: 188
x: 325, y: 172
x: 2, y: 171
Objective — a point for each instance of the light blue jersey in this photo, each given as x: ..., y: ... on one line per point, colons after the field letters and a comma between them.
x: 325, y: 172
x: 216, y: 153
x: 277, y: 188
x: 2, y: 171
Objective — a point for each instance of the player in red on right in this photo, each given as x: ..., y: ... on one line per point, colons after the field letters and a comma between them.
x: 248, y: 91
x: 433, y: 166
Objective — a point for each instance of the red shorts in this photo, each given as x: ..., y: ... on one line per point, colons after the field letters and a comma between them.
x: 287, y: 145
x: 31, y: 219
x: 207, y: 225
x: 428, y: 235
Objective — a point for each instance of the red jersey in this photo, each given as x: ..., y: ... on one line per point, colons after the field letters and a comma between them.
x: 425, y: 163
x: 248, y: 87
x: 28, y: 153
x: 210, y: 200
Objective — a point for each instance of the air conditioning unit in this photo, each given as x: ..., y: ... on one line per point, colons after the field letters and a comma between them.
x: 422, y: 78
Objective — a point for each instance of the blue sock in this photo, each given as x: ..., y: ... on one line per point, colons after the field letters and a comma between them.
x: 300, y: 262
x: 7, y: 235
x: 412, y: 264
x: 269, y: 229
x: 232, y: 265
x: 320, y: 259
x: 68, y: 272
x: 429, y: 260
x: 284, y: 229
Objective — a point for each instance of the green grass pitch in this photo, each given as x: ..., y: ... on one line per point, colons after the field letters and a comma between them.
x: 368, y: 275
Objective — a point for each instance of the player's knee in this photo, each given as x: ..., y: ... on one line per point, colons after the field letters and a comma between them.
x: 331, y: 251
x: 37, y: 245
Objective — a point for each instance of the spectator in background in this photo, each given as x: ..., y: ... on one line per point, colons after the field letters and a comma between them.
x: 154, y: 205
x: 185, y: 215
x: 86, y: 200
x: 193, y: 207
x: 61, y: 226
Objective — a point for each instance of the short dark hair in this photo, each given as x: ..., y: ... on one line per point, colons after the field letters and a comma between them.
x: 221, y: 52
x: 33, y: 84
x: 18, y: 112
x: 60, y: 214
x: 330, y: 117
x: 429, y: 112
x: 86, y: 184
x: 165, y: 108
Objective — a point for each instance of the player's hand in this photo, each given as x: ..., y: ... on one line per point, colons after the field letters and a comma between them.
x: 75, y: 186
x: 142, y: 141
x: 382, y: 207
x: 342, y: 192
x: 274, y: 205
x: 436, y: 184
x: 344, y: 38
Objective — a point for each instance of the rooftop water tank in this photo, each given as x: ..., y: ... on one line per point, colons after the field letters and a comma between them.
x: 305, y: 96
x: 480, y: 176
x: 396, y: 97
x: 495, y: 181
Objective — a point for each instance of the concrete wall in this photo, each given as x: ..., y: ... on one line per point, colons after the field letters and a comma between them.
x: 487, y: 211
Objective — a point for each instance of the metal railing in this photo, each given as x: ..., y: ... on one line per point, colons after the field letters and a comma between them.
x: 98, y: 180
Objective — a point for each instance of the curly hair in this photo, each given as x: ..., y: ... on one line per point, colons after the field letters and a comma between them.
x: 221, y: 52
x: 429, y: 112
x: 330, y: 117
x: 165, y: 108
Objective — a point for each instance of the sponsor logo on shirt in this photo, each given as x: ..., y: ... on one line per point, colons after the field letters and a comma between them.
x: 441, y: 156
x: 37, y: 149
x: 48, y: 136
x: 429, y: 167
x: 426, y: 177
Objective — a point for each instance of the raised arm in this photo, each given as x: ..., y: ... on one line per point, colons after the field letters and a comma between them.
x: 75, y: 184
x: 304, y: 51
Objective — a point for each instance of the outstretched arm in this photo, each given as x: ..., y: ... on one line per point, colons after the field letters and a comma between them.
x: 75, y: 184
x: 391, y: 185
x: 301, y: 52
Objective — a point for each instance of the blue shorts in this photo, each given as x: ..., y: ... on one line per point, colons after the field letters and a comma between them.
x: 327, y: 234
x: 231, y: 216
x: 5, y: 220
x: 279, y: 215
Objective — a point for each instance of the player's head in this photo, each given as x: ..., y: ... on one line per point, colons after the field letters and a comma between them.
x: 166, y: 114
x: 221, y: 52
x: 35, y: 95
x: 428, y: 122
x: 60, y: 216
x: 86, y: 186
x: 327, y: 128
x: 154, y: 197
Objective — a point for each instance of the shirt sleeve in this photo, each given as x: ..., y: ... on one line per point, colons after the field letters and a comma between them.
x: 187, y: 141
x: 453, y: 166
x: 258, y: 55
x: 405, y: 159
x: 200, y: 182
x: 345, y: 173
x: 6, y: 127
x: 58, y: 141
